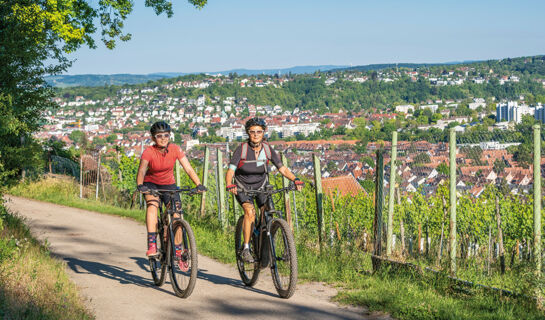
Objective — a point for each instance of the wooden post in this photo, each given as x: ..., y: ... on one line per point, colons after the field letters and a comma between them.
x: 221, y: 188
x: 286, y: 195
x: 141, y: 152
x: 440, y: 251
x: 178, y: 178
x: 205, y: 179
x: 489, y: 250
x: 98, y: 175
x: 452, y: 179
x: 401, y: 225
x: 319, y: 196
x: 537, y: 199
x: 500, y: 236
x: 81, y: 174
x: 379, y: 202
x: 391, y: 195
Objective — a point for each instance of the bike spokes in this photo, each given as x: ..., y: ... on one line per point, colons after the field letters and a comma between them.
x: 183, y: 269
x: 249, y: 271
x: 284, y: 266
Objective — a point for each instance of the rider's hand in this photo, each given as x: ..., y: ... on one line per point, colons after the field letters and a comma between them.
x: 232, y: 188
x: 142, y: 188
x: 200, y: 188
x: 299, y: 184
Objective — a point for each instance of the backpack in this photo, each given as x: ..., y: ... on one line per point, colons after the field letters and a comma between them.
x: 244, y: 153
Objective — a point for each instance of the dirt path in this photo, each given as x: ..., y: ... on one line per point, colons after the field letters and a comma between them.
x: 105, y: 258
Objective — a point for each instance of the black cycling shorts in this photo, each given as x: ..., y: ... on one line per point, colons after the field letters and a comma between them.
x: 242, y: 197
x: 164, y: 197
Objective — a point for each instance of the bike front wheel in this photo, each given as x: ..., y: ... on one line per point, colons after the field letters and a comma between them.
x: 249, y: 271
x: 183, y: 262
x: 284, y: 264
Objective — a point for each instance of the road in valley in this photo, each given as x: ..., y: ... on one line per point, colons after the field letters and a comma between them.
x: 105, y: 258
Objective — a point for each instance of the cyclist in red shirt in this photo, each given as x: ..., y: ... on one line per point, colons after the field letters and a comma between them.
x: 156, y: 171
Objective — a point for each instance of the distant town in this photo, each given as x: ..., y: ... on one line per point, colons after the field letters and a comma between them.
x: 123, y: 118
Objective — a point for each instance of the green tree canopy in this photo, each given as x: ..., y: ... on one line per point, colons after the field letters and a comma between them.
x: 35, y: 35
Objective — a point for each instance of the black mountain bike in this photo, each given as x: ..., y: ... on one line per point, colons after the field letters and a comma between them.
x: 173, y: 230
x: 271, y: 245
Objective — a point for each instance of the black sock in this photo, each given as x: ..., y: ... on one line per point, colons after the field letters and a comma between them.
x: 152, y: 237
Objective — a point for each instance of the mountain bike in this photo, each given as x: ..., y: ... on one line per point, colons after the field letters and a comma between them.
x: 173, y: 230
x: 271, y: 245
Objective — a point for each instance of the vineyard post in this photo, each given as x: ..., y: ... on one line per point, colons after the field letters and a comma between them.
x: 98, y: 175
x: 141, y: 152
x: 500, y: 236
x: 235, y: 204
x: 286, y: 195
x: 205, y: 178
x: 81, y: 174
x: 391, y: 194
x: 319, y: 196
x: 379, y: 203
x: 537, y: 198
x: 452, y: 195
x: 221, y: 187
x: 178, y: 182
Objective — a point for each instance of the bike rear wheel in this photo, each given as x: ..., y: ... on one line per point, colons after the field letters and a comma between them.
x: 158, y: 265
x: 284, y: 264
x: 183, y: 268
x: 249, y: 271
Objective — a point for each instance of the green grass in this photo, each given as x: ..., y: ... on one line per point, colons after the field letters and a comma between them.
x: 405, y: 295
x: 32, y: 284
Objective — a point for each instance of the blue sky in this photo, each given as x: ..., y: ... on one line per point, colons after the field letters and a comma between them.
x: 258, y: 34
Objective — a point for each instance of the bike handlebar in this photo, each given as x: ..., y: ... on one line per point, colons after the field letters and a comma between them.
x: 268, y: 190
x: 186, y: 190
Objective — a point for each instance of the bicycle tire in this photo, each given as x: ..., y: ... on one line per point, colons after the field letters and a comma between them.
x: 284, y: 266
x: 158, y: 265
x: 249, y: 271
x: 183, y: 271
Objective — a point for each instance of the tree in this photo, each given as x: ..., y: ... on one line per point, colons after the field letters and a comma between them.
x: 35, y: 35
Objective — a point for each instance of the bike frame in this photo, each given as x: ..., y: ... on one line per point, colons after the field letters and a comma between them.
x: 263, y: 224
x: 168, y: 214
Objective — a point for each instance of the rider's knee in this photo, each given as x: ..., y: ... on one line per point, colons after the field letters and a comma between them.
x: 249, y: 210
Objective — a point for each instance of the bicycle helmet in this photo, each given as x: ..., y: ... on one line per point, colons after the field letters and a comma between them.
x: 255, y: 122
x: 159, y: 126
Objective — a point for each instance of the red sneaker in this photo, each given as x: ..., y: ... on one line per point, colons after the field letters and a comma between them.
x: 181, y: 256
x: 152, y: 250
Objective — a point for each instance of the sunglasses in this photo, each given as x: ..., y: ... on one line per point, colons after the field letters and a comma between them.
x: 162, y: 136
x: 255, y: 132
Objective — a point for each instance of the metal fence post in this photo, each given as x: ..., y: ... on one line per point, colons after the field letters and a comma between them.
x: 286, y: 195
x: 379, y: 203
x: 452, y: 195
x: 391, y: 195
x: 319, y: 196
x: 537, y: 198
x: 205, y: 178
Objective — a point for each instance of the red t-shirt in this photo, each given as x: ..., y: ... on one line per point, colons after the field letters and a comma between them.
x: 161, y: 165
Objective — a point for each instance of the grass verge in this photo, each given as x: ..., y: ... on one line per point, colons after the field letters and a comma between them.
x: 33, y: 285
x: 403, y: 294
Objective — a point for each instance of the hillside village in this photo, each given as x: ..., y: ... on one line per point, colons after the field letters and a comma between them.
x: 122, y: 118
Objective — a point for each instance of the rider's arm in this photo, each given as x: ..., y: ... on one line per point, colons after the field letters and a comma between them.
x: 189, y: 170
x: 229, y: 176
x: 287, y: 173
x: 142, y: 169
